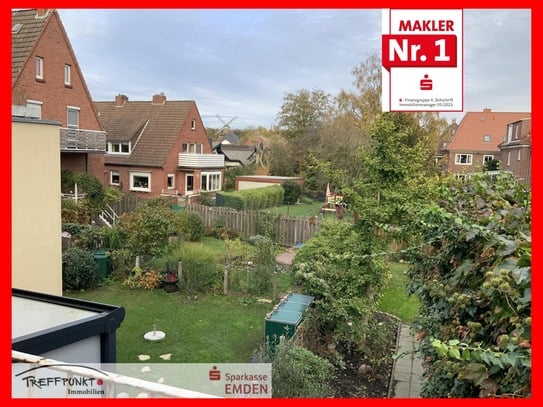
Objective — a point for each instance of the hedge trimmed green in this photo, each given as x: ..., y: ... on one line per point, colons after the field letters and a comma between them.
x: 254, y: 198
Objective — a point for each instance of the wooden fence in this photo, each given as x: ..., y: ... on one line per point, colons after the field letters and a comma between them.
x: 289, y: 230
x: 126, y: 204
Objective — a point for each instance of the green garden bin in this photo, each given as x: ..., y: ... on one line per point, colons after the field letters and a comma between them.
x: 103, y: 263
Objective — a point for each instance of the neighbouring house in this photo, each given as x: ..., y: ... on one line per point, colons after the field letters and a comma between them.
x: 260, y: 181
x: 236, y: 155
x: 158, y: 148
x: 444, y: 139
x: 36, y: 241
x: 476, y: 141
x: 47, y: 84
x: 516, y: 149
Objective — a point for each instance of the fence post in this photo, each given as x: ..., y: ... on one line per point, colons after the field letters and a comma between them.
x: 274, y: 285
x: 225, y: 282
x: 179, y: 271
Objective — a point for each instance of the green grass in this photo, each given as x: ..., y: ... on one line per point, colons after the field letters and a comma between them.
x: 207, y: 328
x: 302, y: 209
x: 394, y: 298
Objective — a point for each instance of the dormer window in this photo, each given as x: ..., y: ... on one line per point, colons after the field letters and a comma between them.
x: 117, y: 147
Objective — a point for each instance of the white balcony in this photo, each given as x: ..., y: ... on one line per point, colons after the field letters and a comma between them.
x: 200, y: 160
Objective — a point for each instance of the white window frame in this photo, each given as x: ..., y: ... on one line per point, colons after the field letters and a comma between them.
x: 72, y: 109
x: 517, y: 131
x: 67, y: 75
x: 458, y: 159
x: 486, y: 138
x: 141, y: 174
x: 509, y: 133
x: 193, y: 124
x: 192, y: 148
x: 509, y: 158
x: 39, y: 68
x: 118, y: 146
x: 212, y: 181
x: 170, y: 185
x: 519, y: 155
x: 113, y: 173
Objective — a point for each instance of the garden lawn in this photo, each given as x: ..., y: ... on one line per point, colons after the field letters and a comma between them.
x: 207, y: 328
x: 301, y: 209
x: 394, y: 299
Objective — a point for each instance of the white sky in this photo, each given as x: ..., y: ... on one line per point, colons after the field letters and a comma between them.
x: 241, y: 63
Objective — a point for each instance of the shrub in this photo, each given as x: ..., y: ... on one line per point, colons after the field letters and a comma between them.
x: 148, y: 227
x: 190, y: 225
x: 148, y: 280
x: 221, y: 231
x: 296, y: 371
x: 473, y: 279
x: 199, y: 267
x: 89, y: 237
x: 79, y: 270
x: 293, y: 191
x: 122, y: 261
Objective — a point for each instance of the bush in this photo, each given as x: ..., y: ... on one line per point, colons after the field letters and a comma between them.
x: 122, y: 262
x: 148, y: 227
x: 190, y: 226
x: 297, y: 372
x: 293, y: 190
x: 79, y: 270
x: 473, y: 278
x: 199, y: 267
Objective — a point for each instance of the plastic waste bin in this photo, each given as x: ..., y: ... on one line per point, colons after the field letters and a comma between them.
x: 103, y: 262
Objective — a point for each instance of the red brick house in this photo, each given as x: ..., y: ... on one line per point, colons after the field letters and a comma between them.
x: 476, y: 141
x: 516, y: 149
x: 158, y: 148
x: 47, y: 84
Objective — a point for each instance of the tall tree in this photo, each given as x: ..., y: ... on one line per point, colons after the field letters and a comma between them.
x: 303, y: 112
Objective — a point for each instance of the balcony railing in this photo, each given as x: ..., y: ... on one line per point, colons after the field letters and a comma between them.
x: 200, y: 160
x: 109, y: 381
x: 82, y: 140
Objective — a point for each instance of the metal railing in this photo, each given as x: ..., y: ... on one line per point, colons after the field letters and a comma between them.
x: 82, y: 140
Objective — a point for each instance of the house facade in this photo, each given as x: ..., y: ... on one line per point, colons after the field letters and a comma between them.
x: 36, y: 241
x: 516, y: 149
x: 476, y: 141
x: 158, y: 148
x: 47, y: 84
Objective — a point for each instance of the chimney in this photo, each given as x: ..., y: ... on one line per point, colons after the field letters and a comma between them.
x: 159, y: 99
x: 487, y: 110
x: 41, y: 12
x: 120, y: 100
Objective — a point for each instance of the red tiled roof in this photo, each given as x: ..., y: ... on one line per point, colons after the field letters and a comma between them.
x: 471, y: 132
x: 24, y: 39
x: 158, y: 124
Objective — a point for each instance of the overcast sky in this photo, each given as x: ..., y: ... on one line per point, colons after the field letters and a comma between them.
x: 241, y: 63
